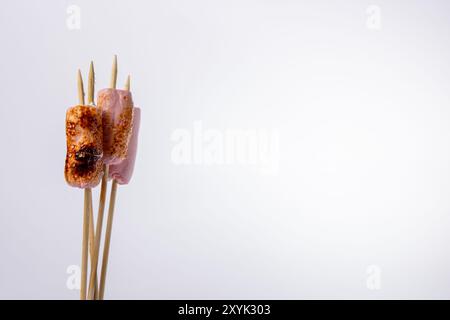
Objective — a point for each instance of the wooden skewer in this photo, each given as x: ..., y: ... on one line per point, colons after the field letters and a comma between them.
x: 90, y: 95
x: 85, y: 244
x: 80, y: 88
x: 88, y: 192
x: 112, y: 201
x: 91, y: 240
x: 93, y: 287
x: 87, y: 198
x: 113, y: 82
x: 127, y: 83
x: 91, y: 84
x: 98, y: 234
x: 90, y: 98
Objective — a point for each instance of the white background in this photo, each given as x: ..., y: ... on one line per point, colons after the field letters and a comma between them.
x: 364, y: 172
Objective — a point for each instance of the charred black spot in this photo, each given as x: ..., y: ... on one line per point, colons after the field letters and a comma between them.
x: 86, y: 158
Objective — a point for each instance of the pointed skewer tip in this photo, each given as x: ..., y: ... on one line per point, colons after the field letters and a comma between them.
x: 113, y: 82
x: 91, y: 84
x: 127, y: 83
x: 80, y: 88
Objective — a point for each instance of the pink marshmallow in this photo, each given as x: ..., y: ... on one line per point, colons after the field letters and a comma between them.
x: 123, y: 171
x: 117, y: 114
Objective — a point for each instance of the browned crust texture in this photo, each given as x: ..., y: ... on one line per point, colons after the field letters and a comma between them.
x: 84, y: 134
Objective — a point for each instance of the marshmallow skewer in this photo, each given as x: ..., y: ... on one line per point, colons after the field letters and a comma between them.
x: 101, y: 145
x: 87, y: 201
x: 109, y: 223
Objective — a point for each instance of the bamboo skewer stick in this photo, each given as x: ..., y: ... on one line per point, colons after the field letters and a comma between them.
x: 98, y: 233
x: 127, y: 83
x: 91, y: 210
x: 90, y: 95
x: 93, y: 288
x: 112, y: 201
x: 91, y: 233
x: 87, y: 197
x: 91, y: 240
x: 113, y: 82
x: 85, y: 243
